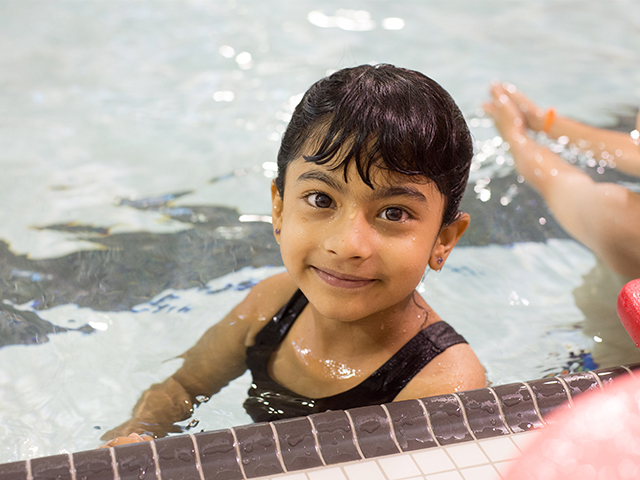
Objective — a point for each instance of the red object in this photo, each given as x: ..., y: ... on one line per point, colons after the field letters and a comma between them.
x: 629, y: 309
x: 597, y: 439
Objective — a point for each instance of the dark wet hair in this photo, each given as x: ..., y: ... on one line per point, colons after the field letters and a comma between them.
x: 393, y: 118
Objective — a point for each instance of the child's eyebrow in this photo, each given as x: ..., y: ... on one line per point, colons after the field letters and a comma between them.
x: 322, y: 177
x: 398, y: 191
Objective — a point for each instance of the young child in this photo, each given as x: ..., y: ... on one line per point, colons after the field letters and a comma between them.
x: 603, y: 216
x: 371, y: 171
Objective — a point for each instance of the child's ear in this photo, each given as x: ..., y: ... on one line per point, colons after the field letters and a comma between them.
x: 276, y: 210
x: 447, y: 239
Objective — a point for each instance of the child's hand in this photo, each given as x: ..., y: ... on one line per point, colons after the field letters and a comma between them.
x: 132, y: 438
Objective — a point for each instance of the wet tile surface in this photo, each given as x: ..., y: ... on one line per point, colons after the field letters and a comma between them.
x: 471, y: 435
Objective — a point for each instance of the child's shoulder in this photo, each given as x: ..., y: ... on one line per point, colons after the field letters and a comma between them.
x: 264, y: 300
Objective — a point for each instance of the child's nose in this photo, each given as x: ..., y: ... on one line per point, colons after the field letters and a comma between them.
x: 350, y: 236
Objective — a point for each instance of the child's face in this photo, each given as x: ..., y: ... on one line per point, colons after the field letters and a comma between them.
x: 355, y: 251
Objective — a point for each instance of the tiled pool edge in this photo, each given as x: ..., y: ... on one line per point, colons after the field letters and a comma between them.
x: 329, y: 438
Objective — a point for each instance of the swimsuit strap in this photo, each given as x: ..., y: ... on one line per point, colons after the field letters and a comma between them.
x: 272, y: 334
x: 384, y: 385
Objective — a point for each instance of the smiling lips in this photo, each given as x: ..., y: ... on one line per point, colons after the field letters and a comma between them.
x: 342, y: 280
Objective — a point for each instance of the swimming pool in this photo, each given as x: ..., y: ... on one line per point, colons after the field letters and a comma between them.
x: 138, y: 145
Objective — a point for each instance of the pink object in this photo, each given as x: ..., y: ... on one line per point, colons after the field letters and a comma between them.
x: 598, y: 439
x: 629, y: 309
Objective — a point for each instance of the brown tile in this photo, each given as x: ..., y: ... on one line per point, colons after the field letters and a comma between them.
x: 373, y: 431
x: 447, y: 420
x: 258, y: 452
x: 518, y: 407
x: 218, y: 457
x: 410, y: 425
x: 13, y: 471
x: 580, y: 382
x: 56, y: 467
x: 550, y: 395
x: 607, y: 375
x: 177, y: 458
x: 297, y: 444
x: 94, y: 465
x: 483, y: 413
x: 135, y: 461
x: 335, y: 437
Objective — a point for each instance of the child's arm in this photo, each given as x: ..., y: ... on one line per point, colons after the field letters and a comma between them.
x: 624, y: 149
x: 216, y: 359
x: 603, y: 216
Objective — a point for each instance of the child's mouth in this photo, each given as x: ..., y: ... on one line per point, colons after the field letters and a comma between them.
x: 342, y: 280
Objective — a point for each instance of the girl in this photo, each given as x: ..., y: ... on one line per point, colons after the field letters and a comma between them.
x: 371, y: 171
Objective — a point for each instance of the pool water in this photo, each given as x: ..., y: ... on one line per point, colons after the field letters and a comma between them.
x: 138, y: 146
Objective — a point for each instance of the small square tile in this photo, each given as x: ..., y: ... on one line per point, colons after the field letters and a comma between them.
x: 500, y: 449
x: 398, y: 466
x: 13, y: 471
x: 453, y: 475
x: 433, y: 461
x: 332, y: 473
x: 503, y: 467
x: 522, y: 441
x: 335, y: 437
x: 364, y: 471
x: 291, y: 476
x: 482, y: 472
x: 467, y: 455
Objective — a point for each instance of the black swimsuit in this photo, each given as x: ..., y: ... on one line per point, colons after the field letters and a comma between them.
x: 270, y: 401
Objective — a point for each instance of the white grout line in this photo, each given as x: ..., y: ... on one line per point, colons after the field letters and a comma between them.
x: 426, y: 415
x: 114, y: 464
x: 155, y: 459
x: 629, y: 370
x: 597, y: 378
x: 236, y: 445
x: 353, y: 434
x: 72, y: 467
x: 503, y: 417
x: 317, y: 442
x: 567, y: 390
x: 535, y: 402
x: 391, y: 427
x: 464, y: 416
x: 276, y: 439
x: 197, y: 454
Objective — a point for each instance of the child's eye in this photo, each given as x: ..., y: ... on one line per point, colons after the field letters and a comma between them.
x: 394, y: 214
x: 320, y: 200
